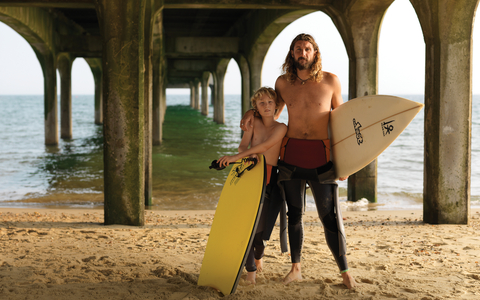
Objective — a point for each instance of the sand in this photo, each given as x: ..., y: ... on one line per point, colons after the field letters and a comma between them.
x: 70, y: 254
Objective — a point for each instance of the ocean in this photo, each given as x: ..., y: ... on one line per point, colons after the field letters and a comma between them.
x: 70, y: 175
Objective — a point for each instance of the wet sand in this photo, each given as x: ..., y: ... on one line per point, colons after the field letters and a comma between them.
x: 70, y: 254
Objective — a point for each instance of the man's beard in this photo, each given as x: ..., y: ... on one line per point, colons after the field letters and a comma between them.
x: 306, y: 66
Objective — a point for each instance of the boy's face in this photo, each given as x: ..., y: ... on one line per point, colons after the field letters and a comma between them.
x: 266, y: 106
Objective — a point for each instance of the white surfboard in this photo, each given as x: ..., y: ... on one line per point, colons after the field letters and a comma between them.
x: 362, y: 128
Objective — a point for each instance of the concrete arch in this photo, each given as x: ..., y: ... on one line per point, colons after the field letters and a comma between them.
x: 37, y: 27
x: 359, y: 24
x: 244, y: 67
x: 95, y: 65
x: 219, y: 105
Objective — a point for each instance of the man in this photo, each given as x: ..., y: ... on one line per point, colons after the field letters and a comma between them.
x: 309, y: 94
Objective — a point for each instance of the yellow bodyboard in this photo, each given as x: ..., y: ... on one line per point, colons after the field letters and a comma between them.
x: 233, y: 226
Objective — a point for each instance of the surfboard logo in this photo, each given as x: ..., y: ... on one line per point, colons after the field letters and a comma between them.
x: 387, y: 127
x: 240, y: 169
x: 357, y: 126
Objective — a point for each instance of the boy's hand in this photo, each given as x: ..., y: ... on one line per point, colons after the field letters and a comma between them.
x: 254, y: 156
x: 247, y: 121
x: 226, y: 160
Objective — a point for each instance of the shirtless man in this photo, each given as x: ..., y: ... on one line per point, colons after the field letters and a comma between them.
x: 309, y: 94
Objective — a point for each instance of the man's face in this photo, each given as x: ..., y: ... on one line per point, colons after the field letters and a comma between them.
x: 303, y: 55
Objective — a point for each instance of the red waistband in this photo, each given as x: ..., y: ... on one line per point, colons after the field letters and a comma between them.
x: 308, y: 154
x: 269, y: 173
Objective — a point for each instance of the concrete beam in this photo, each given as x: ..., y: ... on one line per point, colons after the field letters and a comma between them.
x: 203, y: 45
x: 247, y: 4
x: 178, y: 86
x: 192, y: 65
x: 50, y: 3
x: 81, y: 45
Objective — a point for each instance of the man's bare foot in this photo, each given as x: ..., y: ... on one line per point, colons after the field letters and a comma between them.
x: 251, y: 277
x: 348, y: 280
x: 259, y: 264
x: 295, y: 274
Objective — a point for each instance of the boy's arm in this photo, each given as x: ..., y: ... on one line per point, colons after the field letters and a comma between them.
x: 279, y: 133
x: 277, y: 136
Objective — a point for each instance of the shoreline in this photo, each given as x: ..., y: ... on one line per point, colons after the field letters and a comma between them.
x: 70, y: 253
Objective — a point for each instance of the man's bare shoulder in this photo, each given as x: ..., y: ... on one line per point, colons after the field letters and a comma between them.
x: 281, y: 81
x: 330, y: 78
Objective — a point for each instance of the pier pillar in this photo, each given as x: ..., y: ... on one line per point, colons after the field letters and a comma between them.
x: 95, y: 65
x: 447, y: 29
x: 246, y: 93
x: 64, y: 65
x: 192, y: 94
x: 158, y: 78
x: 255, y: 62
x: 360, y: 31
x: 123, y: 32
x: 219, y: 106
x: 148, y: 105
x: 204, y: 104
x: 196, y: 85
x: 50, y: 99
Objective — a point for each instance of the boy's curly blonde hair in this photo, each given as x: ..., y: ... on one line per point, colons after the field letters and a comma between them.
x: 264, y: 91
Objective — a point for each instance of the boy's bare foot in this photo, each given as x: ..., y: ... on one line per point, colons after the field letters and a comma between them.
x: 295, y: 274
x: 348, y: 280
x: 251, y: 277
x: 259, y: 264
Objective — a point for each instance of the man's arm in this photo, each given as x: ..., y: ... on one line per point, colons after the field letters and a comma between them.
x: 337, y: 99
x: 246, y: 123
x: 279, y: 98
x: 246, y: 139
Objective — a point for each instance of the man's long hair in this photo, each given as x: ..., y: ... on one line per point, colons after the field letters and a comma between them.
x: 289, y: 68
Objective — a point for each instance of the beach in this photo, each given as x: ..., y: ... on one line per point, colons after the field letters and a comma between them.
x: 70, y: 254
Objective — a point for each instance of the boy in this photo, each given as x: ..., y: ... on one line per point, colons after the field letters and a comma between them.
x: 265, y: 138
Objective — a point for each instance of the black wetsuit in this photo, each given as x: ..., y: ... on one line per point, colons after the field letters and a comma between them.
x: 299, y: 165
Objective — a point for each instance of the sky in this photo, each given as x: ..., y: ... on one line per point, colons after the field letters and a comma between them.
x: 401, y: 57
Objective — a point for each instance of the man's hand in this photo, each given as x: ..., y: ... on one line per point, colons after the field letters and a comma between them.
x: 343, y: 178
x: 247, y: 121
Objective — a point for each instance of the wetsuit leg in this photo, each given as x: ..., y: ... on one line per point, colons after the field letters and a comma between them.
x: 323, y: 194
x: 294, y: 194
x: 256, y: 252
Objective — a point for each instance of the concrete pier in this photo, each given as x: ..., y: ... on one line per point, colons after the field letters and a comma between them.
x: 447, y: 28
x: 124, y: 110
x: 144, y: 48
